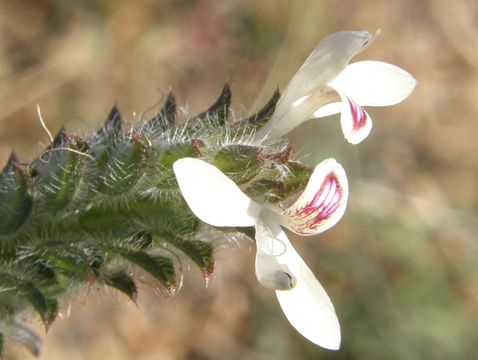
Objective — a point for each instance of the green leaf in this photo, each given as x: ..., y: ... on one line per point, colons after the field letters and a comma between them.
x: 275, y: 188
x: 15, y: 198
x: 160, y: 267
x: 121, y: 166
x: 168, y: 156
x: 141, y: 240
x: 239, y: 162
x: 57, y: 174
x: 121, y: 281
x: 35, y: 298
x: 100, y: 143
x: 218, y: 112
x: 165, y: 215
x: 263, y: 115
x: 193, y: 148
x: 52, y: 312
x: 200, y: 252
x: 76, y: 263
x: 28, y: 292
x: 162, y: 121
x: 103, y: 220
x: 112, y: 125
x: 27, y: 259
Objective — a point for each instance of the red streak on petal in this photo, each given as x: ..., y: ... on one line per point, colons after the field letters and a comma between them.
x: 322, y: 206
x: 359, y: 116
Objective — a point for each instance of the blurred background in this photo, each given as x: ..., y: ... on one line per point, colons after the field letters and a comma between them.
x: 402, y: 265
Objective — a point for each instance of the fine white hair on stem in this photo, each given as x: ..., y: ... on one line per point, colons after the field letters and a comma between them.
x: 66, y: 149
x: 43, y: 123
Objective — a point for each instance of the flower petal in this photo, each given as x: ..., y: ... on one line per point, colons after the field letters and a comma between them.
x: 323, y: 202
x: 355, y: 121
x: 212, y: 196
x: 328, y: 109
x: 270, y: 273
x: 374, y: 83
x: 327, y: 60
x: 299, y: 111
x: 307, y: 306
x: 303, y: 300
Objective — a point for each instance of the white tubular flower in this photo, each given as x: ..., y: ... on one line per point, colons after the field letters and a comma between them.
x: 325, y: 78
x: 217, y: 200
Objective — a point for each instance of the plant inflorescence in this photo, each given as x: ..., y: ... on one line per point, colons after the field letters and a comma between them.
x: 88, y: 210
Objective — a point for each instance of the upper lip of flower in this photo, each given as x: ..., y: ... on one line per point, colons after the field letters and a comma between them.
x: 325, y: 78
x: 218, y: 201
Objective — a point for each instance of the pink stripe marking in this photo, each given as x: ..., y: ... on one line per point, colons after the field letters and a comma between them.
x: 359, y: 116
x: 322, y: 206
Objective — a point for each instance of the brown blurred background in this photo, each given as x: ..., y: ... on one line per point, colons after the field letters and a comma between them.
x: 401, y: 267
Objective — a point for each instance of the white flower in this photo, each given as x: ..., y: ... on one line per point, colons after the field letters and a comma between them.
x: 326, y: 85
x: 218, y: 201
